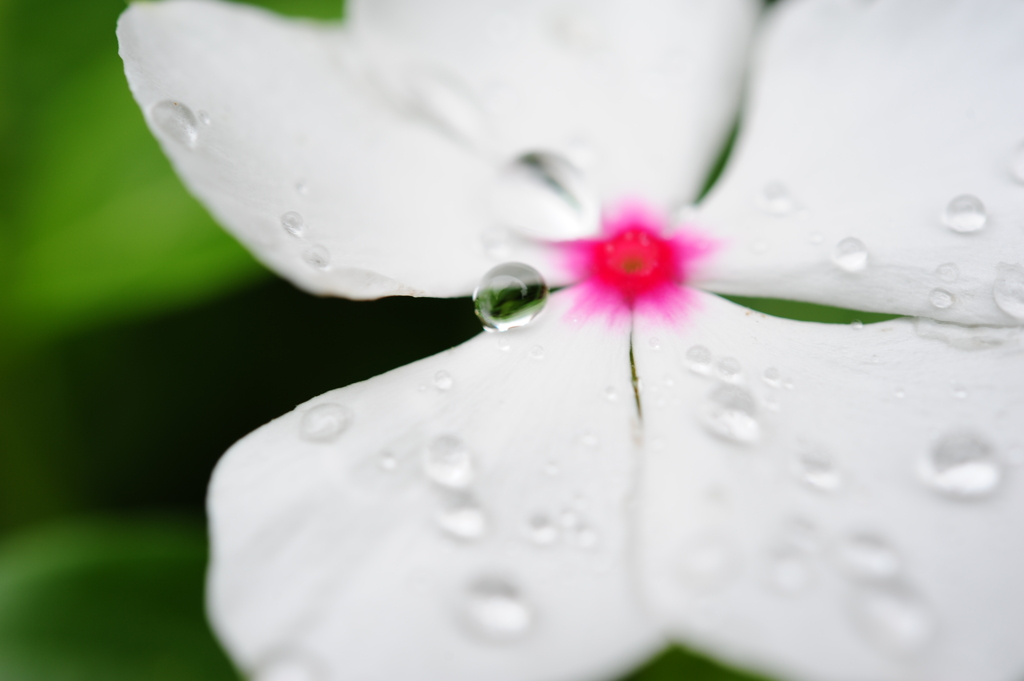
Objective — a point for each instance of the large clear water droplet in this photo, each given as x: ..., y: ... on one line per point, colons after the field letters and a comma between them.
x: 698, y: 360
x: 449, y: 463
x: 850, y: 255
x: 293, y: 223
x: 176, y: 121
x: 818, y: 471
x: 324, y: 422
x: 496, y: 610
x: 510, y: 295
x: 962, y: 465
x: 1008, y: 291
x: 462, y: 518
x: 317, y: 257
x: 730, y: 413
x: 941, y: 298
x: 893, y: 618
x: 867, y: 558
x: 965, y: 214
x: 544, y: 196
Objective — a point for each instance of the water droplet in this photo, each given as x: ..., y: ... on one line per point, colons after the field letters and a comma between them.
x: 959, y: 391
x: 1008, y: 290
x: 893, y: 618
x: 729, y: 369
x: 818, y: 471
x: 857, y: 324
x: 503, y: 344
x: 543, y: 195
x: 941, y: 298
x: 302, y: 187
x: 816, y: 238
x: 541, y: 530
x: 584, y: 537
x: 497, y: 611
x: 462, y: 518
x: 698, y: 359
x: 324, y: 422
x: 537, y: 352
x: 654, y: 343
x: 1017, y: 163
x: 387, y: 461
x: 772, y: 377
x: 203, y: 117
x: 730, y: 414
x: 965, y: 214
x: 775, y: 199
x: 789, y: 571
x: 899, y: 393
x: 965, y: 337
x: 448, y: 463
x: 948, y: 272
x: 708, y: 563
x: 962, y: 465
x: 443, y: 380
x: 611, y: 394
x: 850, y: 255
x: 317, y: 257
x: 578, y: 31
x: 509, y: 295
x: 176, y: 121
x: 551, y: 468
x: 867, y: 558
x: 448, y: 104
x: 293, y: 223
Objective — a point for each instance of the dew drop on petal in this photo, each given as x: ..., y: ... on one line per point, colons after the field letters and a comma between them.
x: 816, y: 237
x: 324, y: 422
x: 176, y: 121
x: 818, y: 471
x: 611, y: 394
x: 941, y: 298
x: 204, y: 117
x: 509, y: 295
x: 729, y: 369
x: 959, y: 391
x: 775, y: 199
x: 856, y: 324
x: 1017, y: 163
x: 730, y: 413
x: 448, y: 463
x: 462, y: 519
x: 302, y: 187
x: 899, y: 393
x: 850, y: 255
x: 503, y: 344
x: 584, y: 537
x: 1008, y: 290
x: 708, y: 563
x: 293, y: 223
x: 893, y: 618
x: 537, y: 352
x: 443, y: 380
x: 867, y: 558
x: 962, y: 465
x: 496, y: 610
x: 541, y: 530
x: 948, y: 272
x: 543, y: 195
x: 654, y: 343
x: 317, y: 257
x: 698, y: 359
x: 772, y: 377
x: 965, y: 214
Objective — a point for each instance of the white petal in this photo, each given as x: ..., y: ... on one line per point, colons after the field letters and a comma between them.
x: 640, y: 92
x: 791, y: 521
x: 384, y: 205
x: 865, y: 121
x: 330, y: 560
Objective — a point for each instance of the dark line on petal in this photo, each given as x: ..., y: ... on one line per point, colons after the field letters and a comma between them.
x: 634, y: 379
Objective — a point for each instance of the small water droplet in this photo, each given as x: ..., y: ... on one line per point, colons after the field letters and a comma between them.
x: 578, y: 31
x: 584, y: 537
x: 654, y: 343
x: 1008, y: 290
x: 551, y: 468
x: 541, y: 530
x: 509, y: 295
x: 729, y: 369
x: 324, y: 422
x: 775, y: 199
x: 317, y: 257
x: 462, y: 518
x: 788, y: 384
x: 443, y: 380
x: 543, y: 195
x: 818, y: 471
x: 816, y: 237
x: 857, y: 324
x: 959, y: 391
x: 611, y: 394
x: 948, y: 272
x: 448, y: 463
x: 203, y: 117
x: 850, y: 255
x: 899, y: 393
x: 708, y: 563
x: 1017, y: 163
x: 731, y: 414
x: 772, y: 377
x: 941, y: 298
x: 789, y: 571
x: 962, y: 465
x: 496, y: 610
x: 176, y: 121
x: 293, y: 223
x: 503, y: 344
x: 867, y: 558
x: 302, y: 187
x: 387, y: 460
x: 893, y: 618
x: 537, y: 352
x: 698, y: 359
x: 965, y: 214
x: 495, y: 241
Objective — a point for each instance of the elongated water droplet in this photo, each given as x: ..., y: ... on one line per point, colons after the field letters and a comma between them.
x: 448, y: 104
x: 496, y: 610
x: 965, y: 214
x: 543, y: 195
x: 443, y: 381
x: 730, y: 413
x: 204, y: 117
x: 818, y: 471
x: 867, y: 558
x: 1008, y: 290
x: 948, y: 272
x: 850, y: 255
x: 698, y: 360
x: 962, y: 465
x: 509, y: 295
x: 449, y: 463
x: 893, y: 618
x: 941, y: 298
x: 176, y: 121
x: 462, y: 518
x: 324, y: 422
x: 317, y: 257
x: 293, y: 223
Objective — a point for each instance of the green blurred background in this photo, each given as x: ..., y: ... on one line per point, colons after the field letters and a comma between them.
x: 137, y: 342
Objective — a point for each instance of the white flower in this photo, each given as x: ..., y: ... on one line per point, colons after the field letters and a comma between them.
x: 819, y: 502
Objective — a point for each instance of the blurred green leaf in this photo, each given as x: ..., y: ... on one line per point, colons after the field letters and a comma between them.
x: 106, y: 601
x: 809, y: 312
x: 679, y: 664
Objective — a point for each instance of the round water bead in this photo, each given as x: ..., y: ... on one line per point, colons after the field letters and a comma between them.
x: 510, y: 295
x: 962, y: 465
